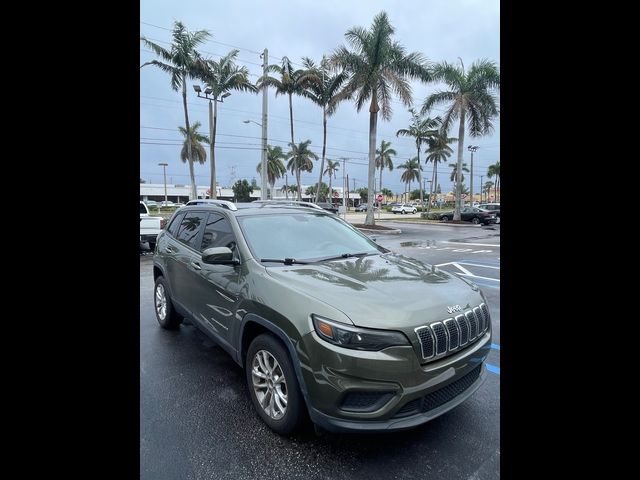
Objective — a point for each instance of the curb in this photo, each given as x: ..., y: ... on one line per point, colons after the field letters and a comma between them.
x: 395, y: 231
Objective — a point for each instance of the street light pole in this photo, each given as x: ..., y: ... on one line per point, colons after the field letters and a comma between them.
x: 164, y: 169
x: 213, y: 118
x: 472, y: 148
x: 265, y: 65
x: 481, y: 187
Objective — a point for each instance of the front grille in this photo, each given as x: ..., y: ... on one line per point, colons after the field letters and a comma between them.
x: 440, y: 338
x: 365, y: 401
x: 441, y: 396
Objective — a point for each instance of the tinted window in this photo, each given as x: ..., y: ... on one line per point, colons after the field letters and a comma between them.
x: 217, y: 233
x: 143, y: 209
x: 175, y: 224
x: 190, y: 228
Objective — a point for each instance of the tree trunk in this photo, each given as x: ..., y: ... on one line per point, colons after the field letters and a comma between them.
x: 331, y: 196
x: 194, y: 190
x: 381, y: 168
x: 371, y: 184
x: 431, y: 186
x: 298, y: 183
x: 324, y: 149
x: 291, y: 117
x: 456, y: 213
x: 420, y: 181
x: 214, y: 193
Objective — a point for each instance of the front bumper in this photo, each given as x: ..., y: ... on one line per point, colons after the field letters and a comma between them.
x: 333, y: 373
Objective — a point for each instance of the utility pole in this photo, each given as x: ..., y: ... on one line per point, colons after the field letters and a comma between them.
x: 345, y: 187
x: 472, y: 148
x: 481, y: 187
x: 286, y: 185
x: 164, y: 168
x: 263, y: 188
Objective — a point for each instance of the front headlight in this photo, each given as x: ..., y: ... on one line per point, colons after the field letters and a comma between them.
x: 357, y: 338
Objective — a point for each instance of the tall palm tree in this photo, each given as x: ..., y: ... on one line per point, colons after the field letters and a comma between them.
x: 378, y: 67
x: 193, y: 141
x: 181, y: 62
x: 383, y: 159
x: 471, y: 101
x: 421, y: 129
x: 322, y: 88
x: 332, y: 168
x: 286, y: 189
x: 438, y: 151
x: 494, y: 170
x: 411, y: 172
x: 222, y: 77
x: 300, y: 159
x: 275, y: 165
x: 454, y: 171
x: 291, y: 82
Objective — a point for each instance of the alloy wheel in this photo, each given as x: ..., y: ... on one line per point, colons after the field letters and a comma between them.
x: 269, y: 384
x: 161, y: 302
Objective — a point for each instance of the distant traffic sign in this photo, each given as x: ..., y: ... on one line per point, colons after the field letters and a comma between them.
x: 379, y: 198
x: 336, y: 194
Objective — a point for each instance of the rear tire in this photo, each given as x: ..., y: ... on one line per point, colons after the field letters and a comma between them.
x: 166, y: 314
x: 445, y: 219
x: 280, y: 383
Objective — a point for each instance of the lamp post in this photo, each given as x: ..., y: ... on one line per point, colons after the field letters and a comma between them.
x: 472, y: 148
x: 213, y: 118
x: 164, y: 169
x: 263, y: 173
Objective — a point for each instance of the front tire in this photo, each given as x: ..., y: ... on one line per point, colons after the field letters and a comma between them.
x: 445, y: 219
x: 475, y: 220
x: 166, y: 314
x: 273, y: 385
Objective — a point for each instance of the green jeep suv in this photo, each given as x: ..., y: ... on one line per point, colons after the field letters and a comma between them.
x: 325, y: 322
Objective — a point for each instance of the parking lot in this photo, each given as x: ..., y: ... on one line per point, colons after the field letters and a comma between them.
x: 197, y: 421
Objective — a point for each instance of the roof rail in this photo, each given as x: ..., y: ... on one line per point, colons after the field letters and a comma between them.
x: 209, y: 201
x: 295, y: 203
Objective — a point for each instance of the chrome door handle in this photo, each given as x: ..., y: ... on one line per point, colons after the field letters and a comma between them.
x: 196, y: 265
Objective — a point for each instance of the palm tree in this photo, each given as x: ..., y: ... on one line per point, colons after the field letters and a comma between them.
x: 378, y: 67
x: 420, y: 129
x: 285, y: 189
x: 181, y: 62
x: 275, y: 165
x: 193, y: 143
x: 470, y: 101
x: 411, y: 172
x: 300, y: 159
x: 454, y: 171
x: 438, y: 151
x: 332, y: 168
x: 386, y: 192
x: 383, y: 159
x: 290, y: 82
x: 487, y: 188
x: 322, y: 88
x: 491, y: 171
x: 222, y: 77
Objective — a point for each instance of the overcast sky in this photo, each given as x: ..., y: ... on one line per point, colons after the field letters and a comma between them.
x: 439, y: 29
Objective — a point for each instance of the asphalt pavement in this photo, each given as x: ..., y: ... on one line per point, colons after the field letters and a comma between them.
x: 197, y: 420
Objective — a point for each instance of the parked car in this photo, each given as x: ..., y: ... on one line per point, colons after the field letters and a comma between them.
x: 363, y: 207
x: 492, y: 207
x: 167, y: 204
x: 150, y: 227
x: 329, y: 207
x: 151, y: 204
x: 294, y: 295
x: 404, y: 208
x: 471, y: 214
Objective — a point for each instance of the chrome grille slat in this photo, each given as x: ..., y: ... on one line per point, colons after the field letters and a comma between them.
x: 473, y: 324
x: 440, y: 338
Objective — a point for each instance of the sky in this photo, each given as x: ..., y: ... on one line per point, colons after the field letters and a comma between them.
x: 442, y: 30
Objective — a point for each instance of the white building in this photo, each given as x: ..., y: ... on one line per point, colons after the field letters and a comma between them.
x: 180, y: 193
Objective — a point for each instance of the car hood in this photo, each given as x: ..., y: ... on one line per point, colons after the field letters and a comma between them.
x: 381, y: 291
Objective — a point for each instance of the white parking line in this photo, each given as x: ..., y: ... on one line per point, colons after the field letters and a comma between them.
x: 478, y: 276
x: 474, y: 244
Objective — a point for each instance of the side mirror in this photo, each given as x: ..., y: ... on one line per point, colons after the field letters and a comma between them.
x: 218, y: 256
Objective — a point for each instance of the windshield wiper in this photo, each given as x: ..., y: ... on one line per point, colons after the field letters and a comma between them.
x: 286, y: 261
x: 347, y: 255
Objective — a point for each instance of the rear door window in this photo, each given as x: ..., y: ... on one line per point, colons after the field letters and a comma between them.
x: 190, y: 228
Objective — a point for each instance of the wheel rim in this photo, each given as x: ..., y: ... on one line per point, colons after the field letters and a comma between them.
x: 475, y: 220
x: 161, y: 302
x: 269, y: 384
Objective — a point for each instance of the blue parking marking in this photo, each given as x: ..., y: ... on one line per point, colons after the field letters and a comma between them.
x: 495, y: 346
x: 492, y: 368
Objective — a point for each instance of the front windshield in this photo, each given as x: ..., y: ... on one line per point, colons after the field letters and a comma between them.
x: 303, y: 236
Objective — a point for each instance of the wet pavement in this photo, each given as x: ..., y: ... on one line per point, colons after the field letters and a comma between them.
x: 197, y: 421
